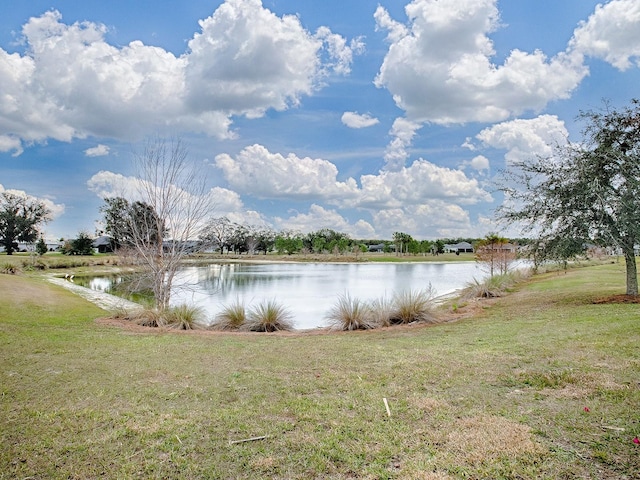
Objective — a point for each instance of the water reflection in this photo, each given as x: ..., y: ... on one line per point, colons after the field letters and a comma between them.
x: 308, y: 290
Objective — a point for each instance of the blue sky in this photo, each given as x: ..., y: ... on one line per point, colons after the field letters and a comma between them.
x: 365, y: 117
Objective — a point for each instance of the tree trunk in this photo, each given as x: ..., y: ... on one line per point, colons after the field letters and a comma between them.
x: 632, y: 271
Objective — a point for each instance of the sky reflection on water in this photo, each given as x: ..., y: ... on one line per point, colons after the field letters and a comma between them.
x: 309, y: 290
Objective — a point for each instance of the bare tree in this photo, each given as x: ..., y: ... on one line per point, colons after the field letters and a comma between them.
x: 176, y: 194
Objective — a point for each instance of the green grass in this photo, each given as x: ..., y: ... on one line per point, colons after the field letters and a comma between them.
x: 499, y: 395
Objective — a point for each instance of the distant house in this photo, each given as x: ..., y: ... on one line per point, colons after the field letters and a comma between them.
x: 379, y: 248
x: 103, y: 244
x: 462, y: 247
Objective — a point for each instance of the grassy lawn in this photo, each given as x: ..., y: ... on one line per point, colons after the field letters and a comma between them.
x: 504, y: 394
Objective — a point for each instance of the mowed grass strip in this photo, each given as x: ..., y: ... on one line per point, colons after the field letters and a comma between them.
x: 539, y: 384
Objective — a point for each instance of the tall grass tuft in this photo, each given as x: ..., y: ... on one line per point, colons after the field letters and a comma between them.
x: 148, y: 317
x: 351, y: 314
x: 381, y: 311
x: 414, y: 306
x: 232, y: 317
x: 9, y: 268
x: 268, y: 316
x: 184, y: 317
x: 495, y: 286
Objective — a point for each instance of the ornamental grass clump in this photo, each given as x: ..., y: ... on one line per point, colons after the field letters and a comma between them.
x: 381, y: 311
x: 413, y: 306
x: 184, y: 317
x: 9, y: 268
x: 351, y: 314
x: 268, y: 316
x: 148, y: 317
x: 495, y: 286
x: 232, y: 317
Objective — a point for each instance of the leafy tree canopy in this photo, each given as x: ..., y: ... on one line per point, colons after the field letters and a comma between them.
x: 20, y: 217
x: 128, y: 223
x: 586, y: 192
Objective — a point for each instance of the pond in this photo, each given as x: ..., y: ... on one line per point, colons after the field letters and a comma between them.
x: 307, y: 290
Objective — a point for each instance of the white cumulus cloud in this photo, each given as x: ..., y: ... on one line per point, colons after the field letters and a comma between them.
x: 479, y: 163
x: 319, y: 217
x: 71, y: 83
x: 525, y: 139
x: 612, y: 33
x: 439, y: 67
x: 107, y: 184
x: 97, y: 151
x: 356, y: 120
x: 402, y: 133
x: 434, y: 219
x: 418, y: 184
x: 258, y: 171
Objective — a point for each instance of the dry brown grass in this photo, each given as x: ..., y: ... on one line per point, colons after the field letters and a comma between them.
x: 486, y: 439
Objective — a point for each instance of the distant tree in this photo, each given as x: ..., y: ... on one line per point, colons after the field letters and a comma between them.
x: 327, y: 240
x: 559, y: 250
x: 288, y: 242
x: 494, y: 254
x: 401, y: 241
x: 217, y: 232
x: 41, y: 247
x: 267, y: 240
x: 425, y: 246
x: 257, y: 239
x: 20, y: 217
x: 82, y: 245
x: 588, y: 191
x: 128, y: 223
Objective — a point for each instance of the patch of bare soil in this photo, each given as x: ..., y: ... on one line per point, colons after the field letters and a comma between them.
x: 618, y: 299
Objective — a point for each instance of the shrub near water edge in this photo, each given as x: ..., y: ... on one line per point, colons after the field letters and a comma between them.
x: 381, y: 311
x: 414, y: 306
x: 184, y: 317
x: 268, y: 316
x: 495, y: 286
x: 232, y: 317
x: 351, y: 314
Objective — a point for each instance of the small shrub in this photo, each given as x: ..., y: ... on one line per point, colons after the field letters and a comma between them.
x: 351, y: 314
x: 9, y: 268
x: 381, y: 311
x: 414, y: 306
x: 232, y: 317
x: 148, y: 318
x: 184, y: 317
x: 268, y: 316
x: 121, y: 313
x: 34, y: 264
x: 495, y: 286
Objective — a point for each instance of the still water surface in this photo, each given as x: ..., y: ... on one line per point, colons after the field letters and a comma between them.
x: 307, y: 290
